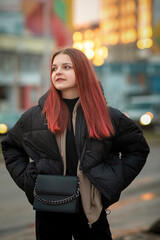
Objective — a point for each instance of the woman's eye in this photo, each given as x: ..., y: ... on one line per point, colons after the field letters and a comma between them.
x: 67, y: 67
x: 53, y: 69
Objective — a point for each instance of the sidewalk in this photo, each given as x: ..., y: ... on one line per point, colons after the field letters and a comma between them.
x: 26, y: 232
x: 140, y: 236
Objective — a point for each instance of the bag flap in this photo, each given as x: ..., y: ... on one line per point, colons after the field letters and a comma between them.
x: 57, y: 184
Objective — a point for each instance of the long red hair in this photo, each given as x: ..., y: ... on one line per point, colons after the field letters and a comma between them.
x: 91, y: 98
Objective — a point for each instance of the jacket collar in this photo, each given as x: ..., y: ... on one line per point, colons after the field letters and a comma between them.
x: 42, y: 99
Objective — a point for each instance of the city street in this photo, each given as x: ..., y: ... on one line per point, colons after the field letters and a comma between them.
x: 61, y: 61
x: 139, y: 206
x: 137, y: 210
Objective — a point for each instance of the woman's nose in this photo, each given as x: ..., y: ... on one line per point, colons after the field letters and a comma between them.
x: 59, y: 70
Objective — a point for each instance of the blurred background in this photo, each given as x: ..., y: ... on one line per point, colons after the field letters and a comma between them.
x: 120, y: 37
x: 122, y: 40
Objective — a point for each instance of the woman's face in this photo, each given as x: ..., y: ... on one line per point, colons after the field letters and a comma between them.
x: 63, y: 76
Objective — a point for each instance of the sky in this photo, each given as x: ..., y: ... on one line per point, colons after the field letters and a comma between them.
x: 86, y: 12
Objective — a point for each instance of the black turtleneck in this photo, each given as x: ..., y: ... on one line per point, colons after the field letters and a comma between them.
x: 71, y: 153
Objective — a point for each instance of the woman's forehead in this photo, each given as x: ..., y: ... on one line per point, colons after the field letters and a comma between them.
x: 61, y: 58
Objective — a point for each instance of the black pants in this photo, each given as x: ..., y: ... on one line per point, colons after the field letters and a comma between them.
x: 57, y: 226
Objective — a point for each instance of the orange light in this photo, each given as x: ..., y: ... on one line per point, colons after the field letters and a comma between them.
x: 147, y: 196
x: 125, y: 37
x: 88, y: 44
x: 132, y: 34
x: 144, y: 43
x: 131, y: 6
x: 131, y: 21
x: 144, y: 17
x: 88, y: 34
x: 89, y: 53
x: 3, y: 128
x: 113, y: 38
x: 109, y: 25
x: 97, y: 32
x: 127, y: 7
x: 145, y: 32
x: 144, y: 3
x: 110, y: 12
x: 145, y: 119
x: 114, y: 11
x: 78, y: 45
x: 97, y: 42
x: 115, y: 24
x: 77, y: 36
x: 122, y: 9
x: 98, y: 61
x: 150, y: 114
x: 104, y: 39
x: 126, y: 114
x: 123, y: 22
x: 101, y: 52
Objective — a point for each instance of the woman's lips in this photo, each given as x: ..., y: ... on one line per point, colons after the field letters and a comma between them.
x: 60, y: 79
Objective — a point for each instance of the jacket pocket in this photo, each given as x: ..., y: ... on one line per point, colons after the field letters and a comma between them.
x: 30, y: 148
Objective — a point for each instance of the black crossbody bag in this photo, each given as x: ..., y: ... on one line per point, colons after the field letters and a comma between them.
x: 57, y: 193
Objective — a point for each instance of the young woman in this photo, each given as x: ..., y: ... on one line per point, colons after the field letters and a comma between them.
x: 49, y: 139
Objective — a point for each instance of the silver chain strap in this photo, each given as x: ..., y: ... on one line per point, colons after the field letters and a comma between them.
x: 56, y: 202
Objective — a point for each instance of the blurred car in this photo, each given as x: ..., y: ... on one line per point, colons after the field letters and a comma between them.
x: 8, y: 119
x: 145, y: 110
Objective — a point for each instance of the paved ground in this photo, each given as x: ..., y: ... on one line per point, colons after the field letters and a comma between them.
x: 140, y: 236
x: 137, y: 210
x: 139, y: 207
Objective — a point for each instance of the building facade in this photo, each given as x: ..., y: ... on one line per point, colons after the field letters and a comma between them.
x: 29, y: 32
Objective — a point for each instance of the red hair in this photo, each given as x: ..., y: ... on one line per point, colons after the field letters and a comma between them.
x: 91, y: 98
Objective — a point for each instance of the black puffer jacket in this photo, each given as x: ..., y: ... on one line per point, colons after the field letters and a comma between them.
x: 111, y: 165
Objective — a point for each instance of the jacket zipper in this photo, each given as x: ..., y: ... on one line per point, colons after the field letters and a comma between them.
x: 90, y: 225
